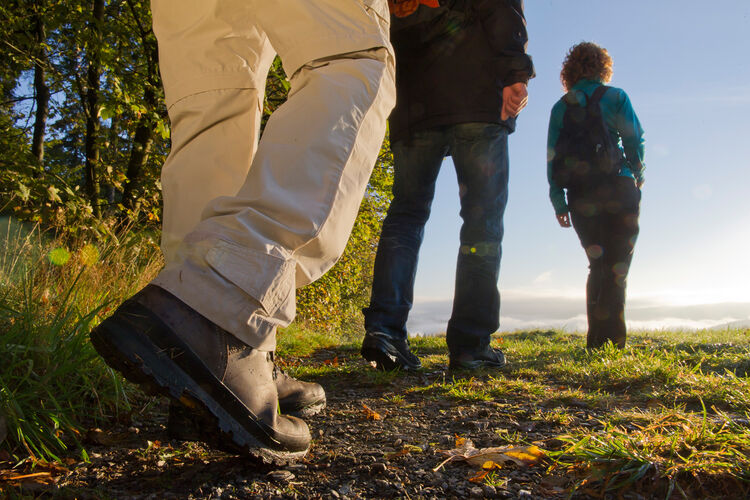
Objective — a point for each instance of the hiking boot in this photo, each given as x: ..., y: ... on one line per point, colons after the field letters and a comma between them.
x: 297, y: 398
x: 472, y: 359
x: 156, y: 340
x: 388, y: 353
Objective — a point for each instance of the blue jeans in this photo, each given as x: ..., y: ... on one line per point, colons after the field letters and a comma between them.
x: 480, y: 155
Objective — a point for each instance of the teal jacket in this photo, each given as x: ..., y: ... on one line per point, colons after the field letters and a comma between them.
x: 622, y: 123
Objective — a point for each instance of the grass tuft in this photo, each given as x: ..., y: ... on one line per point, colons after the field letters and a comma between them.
x: 51, y: 294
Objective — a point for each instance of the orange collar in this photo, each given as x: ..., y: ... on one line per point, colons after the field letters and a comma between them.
x: 403, y: 8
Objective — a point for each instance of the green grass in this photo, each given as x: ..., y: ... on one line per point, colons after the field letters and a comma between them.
x: 51, y: 295
x: 671, y: 407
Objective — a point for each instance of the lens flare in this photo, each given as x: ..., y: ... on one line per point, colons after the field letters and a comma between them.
x: 594, y: 251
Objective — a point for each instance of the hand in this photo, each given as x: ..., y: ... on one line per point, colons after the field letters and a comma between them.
x: 515, y: 98
x: 563, y: 219
x: 639, y: 183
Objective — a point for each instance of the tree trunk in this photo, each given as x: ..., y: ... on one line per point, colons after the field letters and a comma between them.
x: 92, y: 107
x: 142, y: 141
x: 41, y: 90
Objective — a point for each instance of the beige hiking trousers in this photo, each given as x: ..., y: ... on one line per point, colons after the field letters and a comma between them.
x: 247, y: 222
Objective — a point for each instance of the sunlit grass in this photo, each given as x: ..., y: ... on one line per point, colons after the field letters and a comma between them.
x: 672, y: 406
x: 671, y: 443
x: 51, y: 295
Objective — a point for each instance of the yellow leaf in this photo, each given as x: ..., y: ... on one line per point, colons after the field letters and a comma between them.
x: 529, y: 455
x: 371, y: 414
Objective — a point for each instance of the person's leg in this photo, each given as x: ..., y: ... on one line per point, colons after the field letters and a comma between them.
x: 154, y: 338
x: 214, y: 77
x: 210, y: 156
x: 214, y: 133
x: 208, y: 343
x: 480, y: 155
x: 291, y: 219
x: 586, y: 217
x: 416, y: 163
x: 620, y: 231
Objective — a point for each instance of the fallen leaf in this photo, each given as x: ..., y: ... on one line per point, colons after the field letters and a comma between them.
x: 404, y: 451
x: 371, y: 414
x: 521, y: 455
x: 479, y: 477
x: 36, y: 477
x: 153, y: 445
x: 44, y: 473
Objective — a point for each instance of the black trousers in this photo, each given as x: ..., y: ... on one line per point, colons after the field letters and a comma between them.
x: 606, y: 221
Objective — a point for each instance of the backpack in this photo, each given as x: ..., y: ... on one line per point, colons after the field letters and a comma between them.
x: 585, y: 154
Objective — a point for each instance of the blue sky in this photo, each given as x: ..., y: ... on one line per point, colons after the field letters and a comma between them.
x: 686, y: 68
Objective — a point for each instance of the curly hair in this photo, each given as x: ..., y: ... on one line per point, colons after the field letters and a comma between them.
x: 586, y: 60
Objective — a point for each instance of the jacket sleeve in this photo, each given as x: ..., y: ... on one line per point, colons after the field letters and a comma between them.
x: 504, y: 25
x: 556, y: 193
x: 631, y: 133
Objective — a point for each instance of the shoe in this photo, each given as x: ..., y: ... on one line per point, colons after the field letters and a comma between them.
x: 484, y: 357
x: 156, y: 340
x: 388, y: 353
x: 296, y: 398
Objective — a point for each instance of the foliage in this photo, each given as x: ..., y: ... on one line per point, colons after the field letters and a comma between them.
x: 102, y: 78
x: 51, y: 295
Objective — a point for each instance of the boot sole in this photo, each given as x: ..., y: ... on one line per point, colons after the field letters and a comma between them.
x: 142, y: 362
x: 385, y: 356
x: 304, y: 412
x: 185, y: 421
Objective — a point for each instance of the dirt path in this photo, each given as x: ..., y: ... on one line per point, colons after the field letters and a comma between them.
x: 378, y: 438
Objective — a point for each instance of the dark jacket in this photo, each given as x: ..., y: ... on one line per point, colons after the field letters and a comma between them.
x: 453, y: 61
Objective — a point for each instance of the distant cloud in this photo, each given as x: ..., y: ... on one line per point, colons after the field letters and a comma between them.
x: 527, y: 311
x: 545, y: 276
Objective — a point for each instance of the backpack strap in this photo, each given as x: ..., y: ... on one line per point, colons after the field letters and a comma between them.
x: 570, y: 98
x: 597, y: 95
